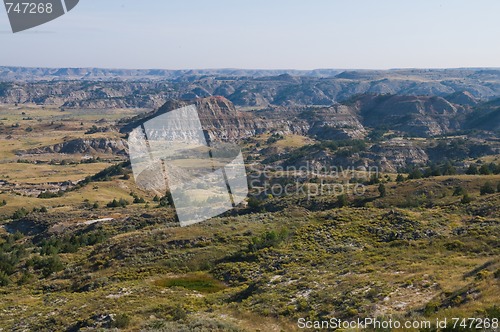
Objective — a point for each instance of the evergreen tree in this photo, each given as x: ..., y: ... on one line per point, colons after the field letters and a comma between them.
x: 415, y: 174
x: 485, y: 170
x: 382, y: 190
x: 472, y: 170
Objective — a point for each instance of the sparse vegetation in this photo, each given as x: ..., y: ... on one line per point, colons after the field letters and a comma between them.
x: 80, y: 240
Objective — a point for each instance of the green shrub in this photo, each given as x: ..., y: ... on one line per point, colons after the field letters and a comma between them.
x: 466, y: 199
x: 4, y: 279
x: 493, y: 312
x: 178, y: 313
x: 415, y: 174
x: 374, y: 179
x: 121, y: 321
x: 268, y: 239
x: 459, y: 191
x: 166, y: 200
x: 342, y: 201
x: 430, y: 308
x: 456, y: 245
x: 487, y: 188
x: 255, y: 204
x: 25, y: 278
x: 482, y: 275
x: 48, y: 265
x: 21, y: 213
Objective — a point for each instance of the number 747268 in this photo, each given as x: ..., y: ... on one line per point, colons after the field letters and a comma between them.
x: 29, y: 8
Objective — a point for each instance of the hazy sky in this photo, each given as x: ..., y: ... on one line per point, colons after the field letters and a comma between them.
x: 306, y: 34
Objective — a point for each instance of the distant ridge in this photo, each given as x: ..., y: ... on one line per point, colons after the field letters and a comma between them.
x: 34, y: 74
x: 44, y: 74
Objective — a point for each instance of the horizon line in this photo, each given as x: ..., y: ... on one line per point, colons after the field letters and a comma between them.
x: 255, y: 69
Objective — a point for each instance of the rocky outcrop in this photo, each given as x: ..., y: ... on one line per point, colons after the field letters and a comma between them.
x: 218, y: 116
x: 421, y: 116
x: 146, y: 102
x: 390, y: 156
x: 337, y: 122
x: 462, y: 98
x: 223, y: 122
x: 91, y: 95
x: 83, y: 146
x: 397, y: 154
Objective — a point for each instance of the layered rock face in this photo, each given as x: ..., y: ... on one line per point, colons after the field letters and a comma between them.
x: 218, y: 116
x: 83, y: 146
x: 420, y: 116
x: 223, y: 122
x: 395, y: 155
